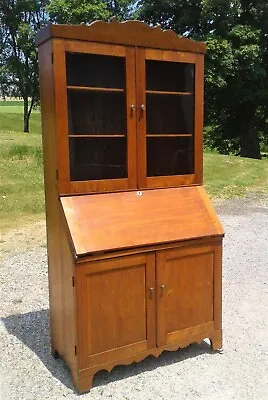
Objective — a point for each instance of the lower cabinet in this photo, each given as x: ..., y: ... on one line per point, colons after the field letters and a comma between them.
x: 132, y: 306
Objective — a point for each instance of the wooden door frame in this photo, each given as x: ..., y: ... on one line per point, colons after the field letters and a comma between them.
x: 87, y: 360
x: 209, y: 327
x: 176, y: 56
x: 66, y: 186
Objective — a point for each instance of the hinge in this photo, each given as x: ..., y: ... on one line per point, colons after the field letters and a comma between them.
x: 73, y: 281
x: 75, y: 350
x: 57, y: 174
x: 52, y: 58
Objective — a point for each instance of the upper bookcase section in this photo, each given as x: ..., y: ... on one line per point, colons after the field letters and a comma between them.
x: 132, y: 33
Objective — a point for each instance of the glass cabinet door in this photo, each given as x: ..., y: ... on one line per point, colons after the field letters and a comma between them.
x: 167, y: 118
x: 100, y: 124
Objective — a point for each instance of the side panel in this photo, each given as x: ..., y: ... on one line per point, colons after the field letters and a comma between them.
x: 68, y: 301
x: 46, y: 73
x: 115, y: 309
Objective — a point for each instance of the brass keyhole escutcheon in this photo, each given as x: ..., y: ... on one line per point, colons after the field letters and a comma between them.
x: 151, y: 292
x: 142, y: 110
x: 162, y: 288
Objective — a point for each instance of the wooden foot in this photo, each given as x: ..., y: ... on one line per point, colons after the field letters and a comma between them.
x: 84, y: 383
x: 216, y: 340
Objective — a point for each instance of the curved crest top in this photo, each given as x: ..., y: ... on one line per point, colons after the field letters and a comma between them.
x: 130, y: 33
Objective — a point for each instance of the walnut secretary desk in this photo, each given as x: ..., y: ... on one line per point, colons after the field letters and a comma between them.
x: 134, y: 245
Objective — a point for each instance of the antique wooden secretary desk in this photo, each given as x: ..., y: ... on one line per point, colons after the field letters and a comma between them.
x: 134, y: 245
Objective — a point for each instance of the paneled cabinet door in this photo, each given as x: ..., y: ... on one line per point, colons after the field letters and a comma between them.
x: 186, y: 293
x: 170, y: 120
x: 115, y: 309
x: 95, y: 99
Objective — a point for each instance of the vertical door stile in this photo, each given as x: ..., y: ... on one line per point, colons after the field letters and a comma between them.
x: 141, y: 117
x: 62, y: 122
x: 131, y: 103
x: 150, y: 297
x: 217, y: 290
x: 198, y: 126
x: 160, y: 298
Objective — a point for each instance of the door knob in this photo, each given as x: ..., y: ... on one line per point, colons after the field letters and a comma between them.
x: 142, y: 107
x: 132, y: 107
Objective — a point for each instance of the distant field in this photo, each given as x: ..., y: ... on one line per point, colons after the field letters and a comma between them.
x: 11, y: 117
x: 21, y: 170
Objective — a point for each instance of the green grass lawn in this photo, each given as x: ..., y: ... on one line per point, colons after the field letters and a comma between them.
x: 11, y: 118
x: 21, y: 171
x: 231, y: 176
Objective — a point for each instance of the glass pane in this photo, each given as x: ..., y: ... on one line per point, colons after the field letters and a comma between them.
x: 95, y: 70
x: 169, y: 76
x: 96, y: 112
x: 169, y: 156
x: 169, y: 114
x: 98, y: 158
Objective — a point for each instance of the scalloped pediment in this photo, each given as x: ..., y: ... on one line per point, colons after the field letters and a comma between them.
x: 131, y: 33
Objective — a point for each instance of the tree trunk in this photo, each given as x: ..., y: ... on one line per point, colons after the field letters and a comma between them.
x: 249, y: 140
x: 27, y: 112
x: 26, y: 115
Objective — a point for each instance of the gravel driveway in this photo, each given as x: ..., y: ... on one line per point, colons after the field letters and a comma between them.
x: 241, y: 372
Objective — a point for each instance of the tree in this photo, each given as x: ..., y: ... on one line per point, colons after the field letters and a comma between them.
x: 236, y: 65
x: 183, y: 16
x: 20, y: 20
x: 83, y: 11
x: 236, y: 74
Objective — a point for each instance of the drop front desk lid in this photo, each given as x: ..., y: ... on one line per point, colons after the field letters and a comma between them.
x: 111, y: 221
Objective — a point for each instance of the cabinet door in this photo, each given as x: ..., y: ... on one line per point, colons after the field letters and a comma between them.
x: 170, y: 120
x: 95, y: 91
x: 188, y: 298
x: 115, y: 309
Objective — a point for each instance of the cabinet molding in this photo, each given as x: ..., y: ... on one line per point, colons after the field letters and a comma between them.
x: 133, y: 33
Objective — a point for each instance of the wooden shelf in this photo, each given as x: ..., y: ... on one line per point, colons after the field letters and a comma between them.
x: 97, y: 136
x: 95, y: 89
x: 168, y: 93
x: 161, y: 135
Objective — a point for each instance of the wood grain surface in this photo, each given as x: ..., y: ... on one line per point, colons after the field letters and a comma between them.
x: 134, y: 33
x: 112, y: 221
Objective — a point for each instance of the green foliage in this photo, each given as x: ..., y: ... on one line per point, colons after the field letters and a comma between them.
x: 83, y: 11
x: 236, y: 75
x: 20, y: 20
x: 236, y: 68
x: 183, y: 16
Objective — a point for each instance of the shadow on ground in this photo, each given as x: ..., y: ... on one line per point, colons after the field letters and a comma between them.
x: 32, y: 329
